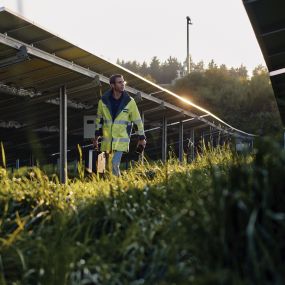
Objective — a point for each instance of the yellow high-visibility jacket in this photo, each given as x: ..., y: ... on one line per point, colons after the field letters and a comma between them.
x: 116, y: 133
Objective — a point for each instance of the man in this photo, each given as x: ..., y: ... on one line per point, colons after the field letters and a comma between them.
x: 117, y: 112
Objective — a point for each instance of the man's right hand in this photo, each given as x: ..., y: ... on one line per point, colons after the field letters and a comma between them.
x: 95, y: 143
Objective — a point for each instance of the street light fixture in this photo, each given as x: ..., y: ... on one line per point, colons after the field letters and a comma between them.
x: 188, y: 57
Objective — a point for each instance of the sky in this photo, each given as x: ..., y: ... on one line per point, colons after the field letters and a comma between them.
x: 139, y: 30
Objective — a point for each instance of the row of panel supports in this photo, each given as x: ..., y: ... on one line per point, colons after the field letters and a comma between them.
x: 63, y: 138
x: 63, y: 135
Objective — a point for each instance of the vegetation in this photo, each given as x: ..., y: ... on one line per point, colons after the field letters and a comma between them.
x: 219, y: 220
x: 156, y: 71
x: 246, y: 102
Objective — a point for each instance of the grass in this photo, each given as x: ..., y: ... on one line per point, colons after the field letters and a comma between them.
x: 218, y: 220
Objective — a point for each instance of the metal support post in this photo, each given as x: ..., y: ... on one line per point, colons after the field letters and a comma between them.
x: 31, y: 160
x: 181, y: 147
x: 17, y: 163
x: 192, y: 144
x: 90, y: 159
x: 164, y: 139
x: 63, y: 135
x: 202, y: 144
x: 141, y: 156
x: 219, y: 139
x: 211, y: 140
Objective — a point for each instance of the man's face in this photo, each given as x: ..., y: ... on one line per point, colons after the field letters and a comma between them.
x: 119, y: 85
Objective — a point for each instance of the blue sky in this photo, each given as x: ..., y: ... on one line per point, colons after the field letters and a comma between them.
x: 139, y: 30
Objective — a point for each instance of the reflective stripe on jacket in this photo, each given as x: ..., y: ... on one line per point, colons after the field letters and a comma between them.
x: 116, y: 134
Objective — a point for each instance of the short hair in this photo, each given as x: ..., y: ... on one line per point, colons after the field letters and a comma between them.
x: 113, y: 78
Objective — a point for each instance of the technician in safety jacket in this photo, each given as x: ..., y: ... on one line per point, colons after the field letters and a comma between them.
x: 117, y: 112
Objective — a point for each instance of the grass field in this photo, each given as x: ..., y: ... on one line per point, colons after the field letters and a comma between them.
x: 218, y: 220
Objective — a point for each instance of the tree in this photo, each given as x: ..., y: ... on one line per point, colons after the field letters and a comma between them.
x: 199, y: 67
x: 155, y: 69
x: 170, y: 69
x: 144, y: 69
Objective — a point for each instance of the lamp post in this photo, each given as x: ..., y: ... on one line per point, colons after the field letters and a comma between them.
x: 188, y: 58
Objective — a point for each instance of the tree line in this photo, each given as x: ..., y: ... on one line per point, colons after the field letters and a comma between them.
x: 246, y: 102
x: 156, y: 71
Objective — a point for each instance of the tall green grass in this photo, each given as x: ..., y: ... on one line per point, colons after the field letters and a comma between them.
x: 3, y: 155
x: 218, y: 220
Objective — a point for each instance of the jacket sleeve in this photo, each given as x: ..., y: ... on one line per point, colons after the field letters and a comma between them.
x: 99, y: 120
x: 136, y: 119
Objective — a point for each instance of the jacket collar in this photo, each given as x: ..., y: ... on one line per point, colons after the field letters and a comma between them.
x: 125, y: 100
